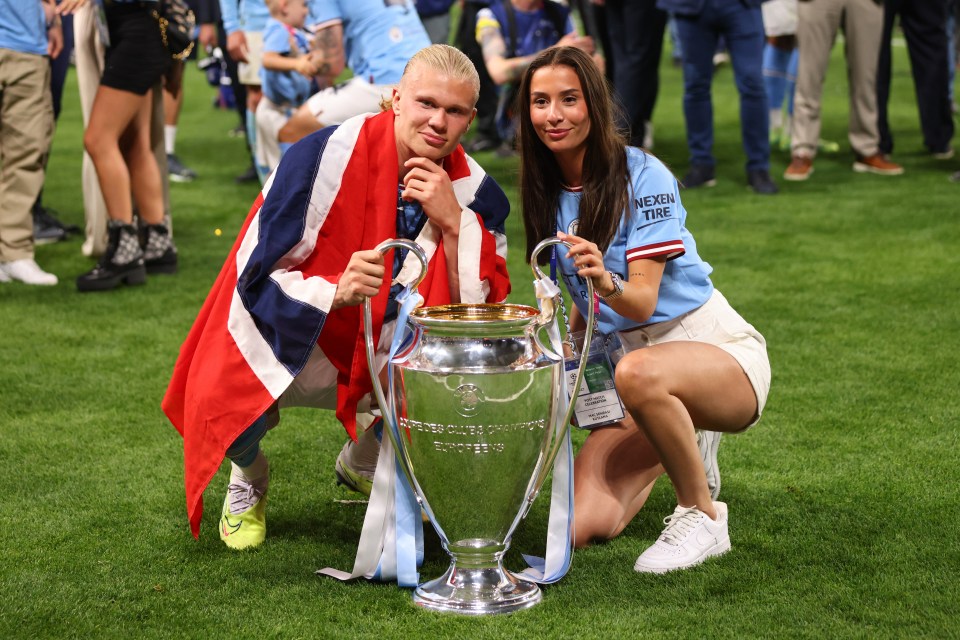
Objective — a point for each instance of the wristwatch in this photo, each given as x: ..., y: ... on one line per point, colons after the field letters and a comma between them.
x: 617, y: 287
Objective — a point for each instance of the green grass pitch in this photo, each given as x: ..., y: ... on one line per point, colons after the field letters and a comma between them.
x: 843, y: 500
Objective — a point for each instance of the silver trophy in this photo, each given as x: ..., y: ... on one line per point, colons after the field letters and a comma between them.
x: 475, y: 399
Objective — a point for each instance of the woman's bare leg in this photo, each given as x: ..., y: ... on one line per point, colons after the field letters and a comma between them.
x: 141, y: 162
x: 113, y: 112
x: 669, y: 388
x: 614, y: 473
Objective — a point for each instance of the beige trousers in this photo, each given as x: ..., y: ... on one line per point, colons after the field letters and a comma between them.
x: 26, y: 129
x: 817, y: 27
x: 89, y: 58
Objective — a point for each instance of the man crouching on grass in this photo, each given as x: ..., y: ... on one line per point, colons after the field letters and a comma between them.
x: 282, y: 325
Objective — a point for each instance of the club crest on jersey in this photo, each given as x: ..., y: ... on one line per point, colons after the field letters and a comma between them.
x: 573, y: 227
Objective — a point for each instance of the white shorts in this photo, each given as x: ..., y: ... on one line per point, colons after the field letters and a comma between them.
x: 270, y: 118
x: 715, y: 322
x: 339, y: 103
x: 249, y: 72
x: 779, y: 17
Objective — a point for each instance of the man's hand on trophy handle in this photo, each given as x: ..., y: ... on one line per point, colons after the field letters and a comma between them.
x: 360, y: 280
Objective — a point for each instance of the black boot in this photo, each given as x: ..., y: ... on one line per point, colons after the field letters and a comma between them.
x: 122, y: 262
x: 159, y: 252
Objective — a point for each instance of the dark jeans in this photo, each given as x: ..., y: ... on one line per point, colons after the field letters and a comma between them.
x: 924, y: 27
x: 636, y: 39
x: 742, y: 30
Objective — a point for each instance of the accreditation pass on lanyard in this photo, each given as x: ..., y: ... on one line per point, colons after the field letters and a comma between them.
x: 598, y: 403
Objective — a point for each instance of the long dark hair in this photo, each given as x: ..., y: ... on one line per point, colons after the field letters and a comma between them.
x: 605, y: 181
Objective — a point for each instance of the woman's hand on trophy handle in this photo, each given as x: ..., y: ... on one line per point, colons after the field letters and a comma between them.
x: 361, y: 279
x: 588, y: 260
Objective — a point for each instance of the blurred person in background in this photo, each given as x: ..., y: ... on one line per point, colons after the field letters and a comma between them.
x: 118, y: 139
x: 435, y: 16
x: 287, y: 75
x: 47, y: 227
x: 818, y: 23
x: 213, y: 36
x: 30, y: 35
x: 243, y: 23
x: 928, y: 44
x: 89, y: 54
x: 636, y: 30
x: 701, y: 24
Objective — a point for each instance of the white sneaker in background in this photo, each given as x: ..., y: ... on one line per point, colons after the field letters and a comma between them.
x: 3, y: 273
x: 709, y: 443
x: 689, y: 538
x: 29, y: 272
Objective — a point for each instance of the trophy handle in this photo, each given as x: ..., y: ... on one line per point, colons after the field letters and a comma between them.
x: 386, y: 410
x: 546, y: 317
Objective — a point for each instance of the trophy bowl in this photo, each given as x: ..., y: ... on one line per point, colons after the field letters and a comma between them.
x: 474, y: 401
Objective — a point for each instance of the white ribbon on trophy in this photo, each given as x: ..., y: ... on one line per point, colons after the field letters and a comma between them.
x: 391, y: 541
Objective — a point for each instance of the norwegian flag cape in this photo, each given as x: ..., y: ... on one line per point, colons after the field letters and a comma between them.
x: 333, y: 194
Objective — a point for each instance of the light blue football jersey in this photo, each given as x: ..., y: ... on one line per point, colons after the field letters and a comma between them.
x: 655, y: 225
x: 380, y: 36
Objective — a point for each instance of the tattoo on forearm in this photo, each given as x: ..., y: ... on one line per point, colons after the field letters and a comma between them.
x: 492, y: 44
x: 324, y: 40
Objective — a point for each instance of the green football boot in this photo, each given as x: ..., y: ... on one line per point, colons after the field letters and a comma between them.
x: 248, y: 528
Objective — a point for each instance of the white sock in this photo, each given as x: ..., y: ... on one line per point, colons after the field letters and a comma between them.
x: 170, y: 137
x: 362, y: 457
x: 776, y: 119
x: 257, y: 473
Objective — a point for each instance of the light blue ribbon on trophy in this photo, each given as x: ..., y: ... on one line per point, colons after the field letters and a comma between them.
x: 401, y: 563
x: 559, y: 551
x: 391, y: 541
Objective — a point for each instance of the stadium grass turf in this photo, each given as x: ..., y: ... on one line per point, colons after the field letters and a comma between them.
x: 842, y: 500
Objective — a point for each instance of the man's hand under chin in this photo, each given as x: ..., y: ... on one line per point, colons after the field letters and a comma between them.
x: 427, y: 183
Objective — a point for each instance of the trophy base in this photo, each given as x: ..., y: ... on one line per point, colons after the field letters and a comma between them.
x: 477, y: 591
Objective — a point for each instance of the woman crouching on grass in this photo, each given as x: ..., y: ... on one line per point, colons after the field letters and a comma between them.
x: 692, y: 363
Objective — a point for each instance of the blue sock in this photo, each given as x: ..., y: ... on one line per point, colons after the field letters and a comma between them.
x: 775, y: 74
x: 245, y: 448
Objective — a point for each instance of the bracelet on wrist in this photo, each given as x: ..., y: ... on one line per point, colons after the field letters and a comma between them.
x: 617, y: 287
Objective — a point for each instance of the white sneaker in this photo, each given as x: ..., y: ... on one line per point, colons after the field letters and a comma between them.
x: 3, y: 273
x: 29, y: 272
x: 709, y: 443
x: 689, y: 538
